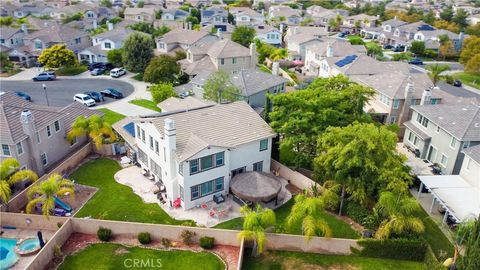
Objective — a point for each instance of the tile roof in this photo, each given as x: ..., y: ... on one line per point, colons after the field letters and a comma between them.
x: 227, y: 48
x: 117, y: 34
x: 473, y: 152
x: 175, y: 104
x: 56, y: 33
x: 183, y: 36
x: 6, y: 32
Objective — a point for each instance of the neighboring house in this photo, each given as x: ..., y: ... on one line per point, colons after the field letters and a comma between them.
x: 441, y: 132
x: 174, y: 15
x: 474, y: 19
x: 195, y: 153
x: 312, y: 30
x: 184, y: 39
x: 285, y: 14
x: 432, y: 38
x: 268, y: 34
x: 362, y: 20
x: 247, y: 16
x: 213, y: 15
x: 66, y: 11
x: 98, y: 13
x: 219, y: 55
x: 37, y: 9
x: 140, y: 14
x: 322, y: 18
x: 11, y: 37
x: 7, y: 9
x: 388, y: 29
x: 173, y: 104
x: 297, y: 45
x: 35, y: 135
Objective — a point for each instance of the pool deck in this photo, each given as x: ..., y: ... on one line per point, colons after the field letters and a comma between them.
x: 20, y: 234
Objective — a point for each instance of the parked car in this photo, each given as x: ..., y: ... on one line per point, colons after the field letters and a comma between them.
x: 399, y: 48
x: 342, y: 35
x: 105, y: 66
x: 117, y: 72
x: 184, y: 95
x: 23, y: 96
x: 97, y: 71
x: 95, y: 95
x: 416, y: 61
x: 387, y: 46
x: 45, y: 76
x: 84, y: 99
x: 457, y: 83
x: 110, y: 92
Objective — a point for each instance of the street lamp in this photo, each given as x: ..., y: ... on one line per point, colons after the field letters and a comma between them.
x: 46, y: 95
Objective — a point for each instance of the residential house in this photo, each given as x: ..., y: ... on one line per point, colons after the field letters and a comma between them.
x: 268, y: 34
x: 35, y: 135
x: 247, y: 16
x: 297, y: 45
x: 213, y: 15
x: 441, y: 132
x: 66, y: 11
x: 355, y: 23
x: 11, y: 37
x: 173, y: 104
x: 195, y: 153
x: 432, y: 38
x: 36, y: 9
x: 7, y: 9
x: 174, y: 15
x: 322, y: 16
x: 184, y: 39
x: 312, y: 30
x: 146, y: 14
x: 98, y: 13
x: 285, y: 14
x: 388, y: 28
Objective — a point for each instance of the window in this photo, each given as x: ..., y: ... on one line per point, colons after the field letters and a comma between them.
x: 195, y: 192
x: 37, y: 136
x: 234, y: 60
x: 434, y: 101
x: 206, y: 188
x: 194, y: 166
x: 263, y: 144
x: 222, y: 61
x: 74, y: 141
x: 49, y: 132
x: 56, y: 124
x: 157, y: 170
x: 219, y: 159
x: 142, y: 157
x: 465, y: 145
x: 453, y: 142
x: 219, y: 184
x: 160, y: 46
x: 258, y: 166
x: 44, y: 159
x: 438, y: 129
x: 180, y: 168
x: 78, y: 40
x: 180, y: 188
x: 207, y: 162
x: 392, y: 119
x: 138, y: 131
x: 422, y: 120
x: 444, y: 160
x: 2, y: 41
x: 157, y: 151
x: 6, y: 150
x: 143, y: 136
x: 108, y: 45
x: 396, y: 103
x: 38, y: 45
x: 151, y: 142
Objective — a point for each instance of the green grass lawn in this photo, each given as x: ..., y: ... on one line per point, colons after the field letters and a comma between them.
x: 71, y: 71
x: 468, y: 78
x: 146, y: 104
x: 110, y: 116
x: 138, y: 77
x: 435, y: 237
x: 339, y: 228
x: 115, y: 201
x: 297, y: 260
x: 115, y: 256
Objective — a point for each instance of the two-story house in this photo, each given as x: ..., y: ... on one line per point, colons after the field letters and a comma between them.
x: 174, y: 14
x: 35, y: 135
x: 36, y: 9
x: 441, y: 132
x: 388, y: 28
x: 268, y: 34
x: 247, y: 16
x: 184, y: 39
x: 12, y: 37
x: 285, y: 14
x: 213, y: 15
x: 195, y: 153
x: 145, y: 14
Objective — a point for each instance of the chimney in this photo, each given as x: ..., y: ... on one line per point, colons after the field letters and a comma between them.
x: 170, y: 145
x: 281, y: 28
x: 329, y: 50
x: 404, y: 111
x: 409, y: 89
x: 190, y: 11
x: 95, y: 24
x: 24, y: 28
x: 275, y: 68
x: 109, y: 26
x: 28, y: 125
x: 219, y: 33
x: 426, y: 97
x: 253, y: 55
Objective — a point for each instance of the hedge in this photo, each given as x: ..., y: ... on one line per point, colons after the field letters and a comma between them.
x: 398, y: 249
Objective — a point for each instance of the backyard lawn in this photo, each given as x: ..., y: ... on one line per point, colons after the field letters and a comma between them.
x: 339, y: 228
x: 435, y: 237
x: 468, y: 78
x: 146, y: 104
x: 110, y: 116
x: 296, y: 260
x: 115, y: 256
x: 115, y: 201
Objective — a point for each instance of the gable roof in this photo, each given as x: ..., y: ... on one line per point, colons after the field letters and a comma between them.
x: 189, y: 103
x: 117, y: 34
x: 7, y: 32
x: 473, y: 152
x: 339, y: 47
x: 56, y: 33
x: 183, y: 36
x: 136, y: 11
x: 227, y: 48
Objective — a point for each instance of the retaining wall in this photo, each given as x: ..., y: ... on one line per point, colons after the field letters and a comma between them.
x: 295, y: 178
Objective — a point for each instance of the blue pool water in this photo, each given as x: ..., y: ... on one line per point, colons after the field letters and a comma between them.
x: 8, y: 257
x: 29, y: 245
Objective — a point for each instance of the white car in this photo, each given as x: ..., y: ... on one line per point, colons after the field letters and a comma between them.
x: 117, y: 72
x: 84, y: 99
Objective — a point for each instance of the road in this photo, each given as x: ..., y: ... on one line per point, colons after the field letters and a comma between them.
x: 60, y: 92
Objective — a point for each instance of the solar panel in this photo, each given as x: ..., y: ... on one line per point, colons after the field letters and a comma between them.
x: 130, y: 128
x: 425, y: 27
x: 346, y: 60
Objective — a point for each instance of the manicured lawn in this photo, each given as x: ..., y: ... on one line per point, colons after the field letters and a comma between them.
x: 296, y: 260
x: 138, y: 77
x: 146, y: 104
x: 71, y: 71
x: 468, y: 78
x: 114, y: 256
x: 110, y: 116
x: 339, y: 228
x: 115, y: 201
x: 435, y: 237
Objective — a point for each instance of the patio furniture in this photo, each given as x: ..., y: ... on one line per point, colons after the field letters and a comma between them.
x: 218, y: 198
x: 151, y: 177
x: 177, y: 203
x: 256, y: 186
x: 143, y: 172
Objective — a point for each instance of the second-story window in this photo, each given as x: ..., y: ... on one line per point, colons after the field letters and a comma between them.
x: 234, y: 60
x: 19, y: 148
x: 207, y: 162
x: 453, y: 142
x: 396, y: 103
x: 108, y: 45
x: 56, y: 124
x: 157, y: 151
x: 49, y: 132
x: 143, y: 136
x: 151, y: 142
x: 422, y: 120
x: 263, y: 144
x: 6, y: 150
x: 222, y: 61
x: 78, y: 40
x: 38, y: 45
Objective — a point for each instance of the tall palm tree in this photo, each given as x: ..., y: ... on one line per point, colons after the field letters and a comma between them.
x: 46, y: 191
x: 436, y: 70
x: 308, y: 209
x: 255, y: 222
x: 398, y: 209
x: 9, y: 175
x: 94, y: 126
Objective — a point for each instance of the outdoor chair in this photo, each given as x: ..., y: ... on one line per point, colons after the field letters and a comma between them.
x: 218, y: 198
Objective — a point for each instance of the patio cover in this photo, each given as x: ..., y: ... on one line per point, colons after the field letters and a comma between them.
x: 461, y: 199
x: 255, y: 186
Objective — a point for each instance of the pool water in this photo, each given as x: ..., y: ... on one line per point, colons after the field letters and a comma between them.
x: 8, y: 257
x: 29, y: 245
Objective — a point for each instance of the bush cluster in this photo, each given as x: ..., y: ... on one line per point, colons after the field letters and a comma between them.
x: 144, y: 238
x: 398, y: 249
x: 207, y: 242
x: 104, y: 234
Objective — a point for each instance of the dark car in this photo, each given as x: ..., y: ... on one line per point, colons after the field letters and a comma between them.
x: 105, y: 66
x: 95, y: 95
x: 457, y: 83
x: 342, y: 35
x: 399, y: 48
x: 110, y: 92
x: 45, y: 76
x: 24, y: 96
x: 387, y: 47
x: 415, y: 61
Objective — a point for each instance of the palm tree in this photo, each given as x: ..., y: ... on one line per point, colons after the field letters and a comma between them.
x: 255, y: 222
x: 398, y: 210
x: 9, y: 175
x: 46, y: 191
x: 94, y: 126
x: 329, y: 191
x: 436, y: 71
x: 308, y: 209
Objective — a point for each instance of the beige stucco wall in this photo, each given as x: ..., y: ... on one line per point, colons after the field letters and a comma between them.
x: 37, y: 221
x: 295, y: 178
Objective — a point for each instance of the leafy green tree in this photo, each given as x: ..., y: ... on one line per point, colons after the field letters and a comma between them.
x: 162, y: 91
x: 243, y: 35
x: 106, y: 3
x: 74, y: 17
x: 57, y: 56
x: 403, y: 56
x: 469, y: 54
x: 418, y: 47
x: 447, y: 14
x: 163, y: 68
x: 261, y: 5
x: 436, y: 71
x: 362, y: 158
x: 429, y: 17
x: 356, y: 40
x: 9, y: 175
x: 5, y: 62
x: 6, y: 21
x: 46, y: 191
x: 255, y: 222
x: 468, y: 236
x: 137, y: 52
x: 140, y: 4
x: 115, y: 57
x: 219, y: 88
x: 374, y: 49
x: 473, y: 65
x: 461, y: 18
x: 95, y: 127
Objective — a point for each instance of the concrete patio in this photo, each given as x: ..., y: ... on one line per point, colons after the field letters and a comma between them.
x: 419, y: 166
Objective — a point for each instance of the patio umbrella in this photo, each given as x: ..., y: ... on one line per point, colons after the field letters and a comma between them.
x: 255, y: 186
x: 40, y: 239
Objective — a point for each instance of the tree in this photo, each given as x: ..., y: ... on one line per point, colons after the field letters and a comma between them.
x: 308, y: 210
x: 469, y: 55
x: 106, y: 3
x: 447, y: 50
x: 95, y: 127
x: 219, y: 88
x: 418, y: 47
x: 57, y: 56
x: 140, y: 4
x: 429, y: 17
x: 255, y: 222
x: 137, y: 52
x: 473, y: 65
x: 243, y: 35
x: 356, y: 40
x: 5, y: 62
x: 436, y: 71
x: 115, y: 58
x: 163, y: 68
x: 362, y: 158
x: 6, y: 21
x: 162, y: 91
x: 398, y: 210
x: 447, y: 14
x: 9, y: 175
x: 261, y: 5
x: 461, y: 18
x: 45, y: 193
x: 469, y: 235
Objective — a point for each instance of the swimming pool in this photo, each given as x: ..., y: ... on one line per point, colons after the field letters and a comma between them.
x: 8, y: 257
x: 28, y: 246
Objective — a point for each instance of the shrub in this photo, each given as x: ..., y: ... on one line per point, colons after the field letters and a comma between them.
x: 431, y: 54
x: 71, y: 70
x: 187, y: 237
x: 144, y: 238
x: 189, y: 223
x: 104, y: 234
x: 207, y: 242
x: 449, y: 79
x: 398, y: 249
x: 166, y: 242
x: 57, y: 251
x: 356, y: 212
